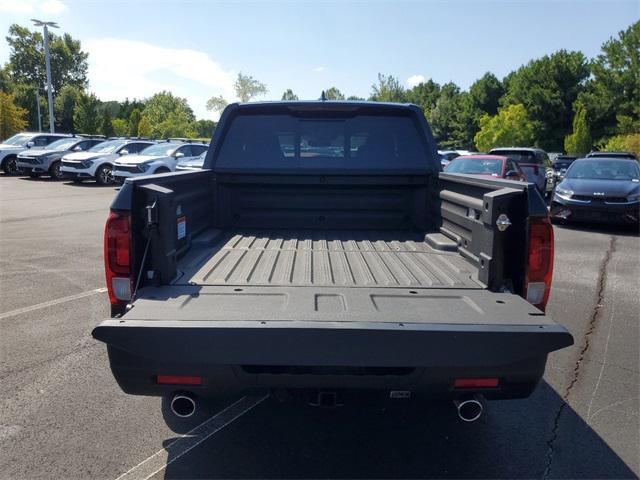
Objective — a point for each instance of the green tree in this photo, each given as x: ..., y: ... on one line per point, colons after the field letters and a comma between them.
x: 465, y: 122
x: 120, y: 127
x: 579, y: 142
x: 485, y: 93
x: 106, y: 127
x: 332, y: 93
x: 204, y: 128
x: 6, y: 84
x: 25, y: 97
x: 443, y: 115
x: 624, y: 143
x: 144, y: 127
x: 134, y: 121
x: 247, y: 87
x: 26, y: 59
x: 217, y: 103
x: 162, y: 109
x: 388, y: 89
x: 425, y: 95
x: 612, y: 96
x: 112, y: 106
x: 65, y: 104
x: 127, y: 107
x: 355, y: 97
x: 289, y: 95
x: 548, y: 88
x: 511, y: 126
x: 177, y: 124
x: 85, y: 114
x: 12, y: 117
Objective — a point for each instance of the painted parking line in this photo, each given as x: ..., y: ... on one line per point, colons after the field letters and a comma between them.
x: 176, y: 449
x: 38, y: 306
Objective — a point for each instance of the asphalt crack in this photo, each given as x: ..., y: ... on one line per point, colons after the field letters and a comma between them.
x: 584, y: 348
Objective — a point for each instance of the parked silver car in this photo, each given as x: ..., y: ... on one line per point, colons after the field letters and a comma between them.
x: 48, y: 160
x: 13, y: 146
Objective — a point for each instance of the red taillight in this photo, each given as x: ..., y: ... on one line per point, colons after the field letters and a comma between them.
x: 539, y: 262
x: 117, y: 256
x: 475, y: 383
x: 178, y: 380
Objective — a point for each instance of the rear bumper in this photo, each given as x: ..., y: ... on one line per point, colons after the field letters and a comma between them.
x: 599, y: 212
x: 244, y: 356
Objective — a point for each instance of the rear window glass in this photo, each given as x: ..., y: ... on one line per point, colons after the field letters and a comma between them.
x: 562, y: 164
x: 481, y: 166
x: 518, y: 156
x: 283, y: 142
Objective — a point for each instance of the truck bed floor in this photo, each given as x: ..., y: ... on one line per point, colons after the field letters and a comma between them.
x: 323, y: 258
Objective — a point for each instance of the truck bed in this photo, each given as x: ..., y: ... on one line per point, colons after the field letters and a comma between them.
x: 323, y: 259
x: 330, y: 277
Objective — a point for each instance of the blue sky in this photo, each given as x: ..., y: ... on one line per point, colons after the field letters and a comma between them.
x: 196, y: 48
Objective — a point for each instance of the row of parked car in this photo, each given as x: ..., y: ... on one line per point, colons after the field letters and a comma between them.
x: 602, y: 187
x: 92, y: 157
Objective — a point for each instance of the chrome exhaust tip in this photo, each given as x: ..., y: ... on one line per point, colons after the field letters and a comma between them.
x: 469, y: 409
x: 183, y: 405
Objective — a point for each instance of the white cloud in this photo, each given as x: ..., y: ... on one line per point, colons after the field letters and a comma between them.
x: 120, y: 69
x: 414, y: 80
x: 318, y: 69
x: 49, y: 7
x: 53, y: 7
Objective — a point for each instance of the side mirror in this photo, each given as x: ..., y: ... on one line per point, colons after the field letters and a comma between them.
x: 178, y: 155
x: 30, y: 144
x: 512, y: 174
x: 124, y: 151
x: 77, y: 148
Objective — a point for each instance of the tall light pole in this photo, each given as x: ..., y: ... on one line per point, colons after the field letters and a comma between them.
x: 47, y: 61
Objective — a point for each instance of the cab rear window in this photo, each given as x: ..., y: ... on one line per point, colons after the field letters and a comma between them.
x: 283, y: 142
x: 519, y: 156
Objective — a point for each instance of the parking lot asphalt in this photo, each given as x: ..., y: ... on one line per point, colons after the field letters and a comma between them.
x: 63, y: 416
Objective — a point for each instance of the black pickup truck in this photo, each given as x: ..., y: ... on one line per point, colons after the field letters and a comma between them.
x: 321, y: 251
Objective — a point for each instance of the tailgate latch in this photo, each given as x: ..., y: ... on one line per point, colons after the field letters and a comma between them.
x: 503, y: 222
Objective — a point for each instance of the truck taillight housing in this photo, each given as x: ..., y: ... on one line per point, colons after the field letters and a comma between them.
x: 117, y: 256
x: 539, y: 262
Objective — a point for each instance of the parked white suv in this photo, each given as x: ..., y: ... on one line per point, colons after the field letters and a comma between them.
x: 97, y: 162
x: 20, y: 142
x: 160, y: 158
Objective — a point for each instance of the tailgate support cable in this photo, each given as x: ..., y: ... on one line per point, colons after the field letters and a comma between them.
x: 149, y: 226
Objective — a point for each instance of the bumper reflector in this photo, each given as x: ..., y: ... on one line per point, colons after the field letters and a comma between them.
x: 475, y: 383
x: 178, y: 380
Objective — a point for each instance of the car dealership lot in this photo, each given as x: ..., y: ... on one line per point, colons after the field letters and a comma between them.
x: 63, y: 416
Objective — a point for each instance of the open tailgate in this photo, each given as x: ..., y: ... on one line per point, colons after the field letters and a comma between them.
x: 222, y: 325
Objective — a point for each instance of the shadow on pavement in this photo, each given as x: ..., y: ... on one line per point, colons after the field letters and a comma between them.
x: 515, y: 439
x: 87, y: 184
